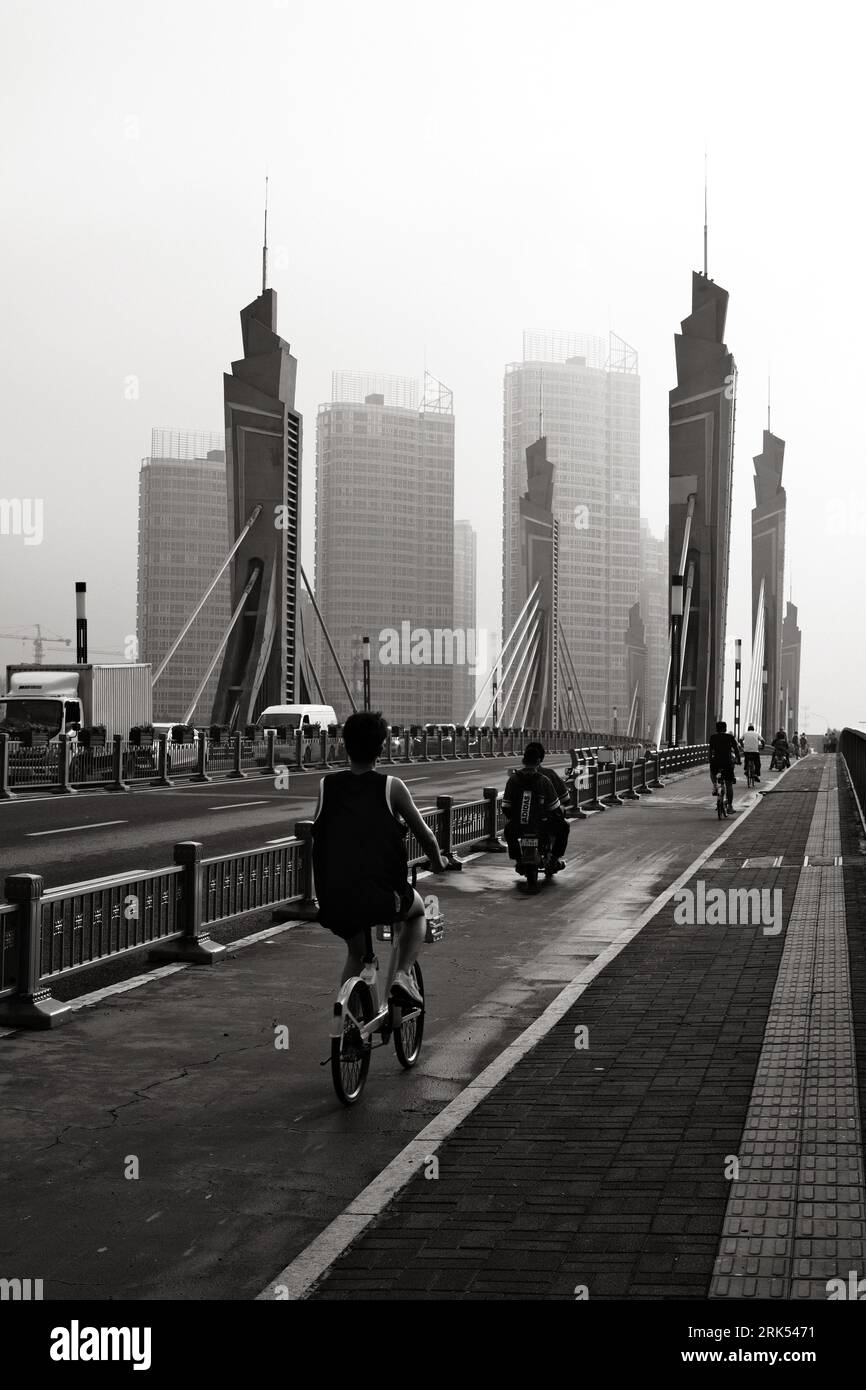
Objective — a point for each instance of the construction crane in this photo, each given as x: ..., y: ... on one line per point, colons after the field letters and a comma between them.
x: 39, y: 642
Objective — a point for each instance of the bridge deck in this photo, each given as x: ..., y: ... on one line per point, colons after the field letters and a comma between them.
x: 560, y: 1167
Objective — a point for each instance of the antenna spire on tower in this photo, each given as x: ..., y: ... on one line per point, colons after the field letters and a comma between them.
x: 265, y: 242
x: 705, y: 213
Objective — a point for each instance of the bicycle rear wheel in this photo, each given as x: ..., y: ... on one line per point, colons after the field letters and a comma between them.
x: 350, y: 1053
x: 721, y: 809
x: 408, y: 1037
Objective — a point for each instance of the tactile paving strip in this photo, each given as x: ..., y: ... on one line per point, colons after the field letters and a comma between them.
x: 796, y: 1215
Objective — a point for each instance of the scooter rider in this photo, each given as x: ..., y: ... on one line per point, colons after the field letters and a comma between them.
x: 531, y: 800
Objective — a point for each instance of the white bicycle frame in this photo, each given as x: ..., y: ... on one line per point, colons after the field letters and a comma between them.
x: 370, y: 977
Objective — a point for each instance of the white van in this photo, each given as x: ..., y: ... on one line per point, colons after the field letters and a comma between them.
x: 296, y: 717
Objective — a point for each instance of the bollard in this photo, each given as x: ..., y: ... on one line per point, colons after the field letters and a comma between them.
x: 30, y: 1006
x: 64, y: 768
x: 192, y: 945
x: 299, y: 750
x: 446, y: 844
x: 407, y: 750
x: 271, y: 753
x: 425, y: 747
x: 323, y: 747
x: 162, y: 777
x: 492, y: 842
x: 5, y: 793
x: 644, y: 788
x: 200, y: 775
x: 308, y: 907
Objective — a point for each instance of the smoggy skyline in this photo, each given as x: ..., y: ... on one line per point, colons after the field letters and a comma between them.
x: 438, y: 184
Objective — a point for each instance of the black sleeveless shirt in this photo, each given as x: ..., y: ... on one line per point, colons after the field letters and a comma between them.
x: 359, y: 851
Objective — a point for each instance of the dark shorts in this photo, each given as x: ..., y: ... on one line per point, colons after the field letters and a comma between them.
x: 346, y: 922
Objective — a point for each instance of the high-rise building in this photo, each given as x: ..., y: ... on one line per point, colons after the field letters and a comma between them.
x: 465, y: 615
x: 385, y: 542
x: 182, y: 541
x: 581, y: 394
x: 655, y: 611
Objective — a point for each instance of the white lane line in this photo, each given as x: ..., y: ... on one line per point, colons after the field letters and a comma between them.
x: 64, y: 829
x: 312, y: 1263
x: 235, y: 804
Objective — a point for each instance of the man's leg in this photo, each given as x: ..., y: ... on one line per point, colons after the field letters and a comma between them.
x: 729, y: 790
x: 561, y: 830
x: 355, y: 957
x: 407, y: 937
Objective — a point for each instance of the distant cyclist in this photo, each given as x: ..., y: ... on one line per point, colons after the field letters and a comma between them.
x: 724, y: 753
x: 359, y: 855
x: 752, y: 744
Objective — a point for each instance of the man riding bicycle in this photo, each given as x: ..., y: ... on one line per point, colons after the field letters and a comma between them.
x: 752, y: 743
x: 724, y: 753
x: 359, y: 855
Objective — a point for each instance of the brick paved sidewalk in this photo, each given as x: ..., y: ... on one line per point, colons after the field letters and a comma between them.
x: 607, y: 1169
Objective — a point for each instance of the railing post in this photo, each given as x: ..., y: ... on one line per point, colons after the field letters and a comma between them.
x: 162, y: 777
x: 29, y: 1006
x: 308, y: 906
x: 118, y: 781
x: 446, y: 843
x: 425, y: 747
x: 630, y: 794
x: 5, y: 793
x: 594, y: 803
x: 193, y: 945
x: 644, y: 788
x: 492, y: 843
x: 237, y: 770
x: 323, y: 747
x: 299, y: 749
x: 271, y: 753
x: 64, y: 767
x: 200, y: 774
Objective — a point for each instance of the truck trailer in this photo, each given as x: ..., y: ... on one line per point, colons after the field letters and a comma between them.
x: 55, y: 700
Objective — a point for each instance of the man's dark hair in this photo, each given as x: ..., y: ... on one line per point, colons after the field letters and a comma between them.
x: 721, y: 726
x: 533, y: 753
x: 364, y: 735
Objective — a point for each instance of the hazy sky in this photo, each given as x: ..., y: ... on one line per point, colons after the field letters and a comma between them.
x: 442, y: 177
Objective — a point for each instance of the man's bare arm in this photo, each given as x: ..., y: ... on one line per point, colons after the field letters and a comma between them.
x: 402, y: 803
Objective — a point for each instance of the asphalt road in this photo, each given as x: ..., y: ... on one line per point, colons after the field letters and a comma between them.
x: 243, y: 1154
x: 68, y: 839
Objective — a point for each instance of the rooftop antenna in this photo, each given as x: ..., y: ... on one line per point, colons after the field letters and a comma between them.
x: 769, y: 431
x: 265, y: 243
x: 705, y: 212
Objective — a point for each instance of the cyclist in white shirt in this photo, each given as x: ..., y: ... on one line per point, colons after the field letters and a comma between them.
x: 752, y: 743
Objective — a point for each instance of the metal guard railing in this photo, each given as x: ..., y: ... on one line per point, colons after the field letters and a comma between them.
x: 46, y: 935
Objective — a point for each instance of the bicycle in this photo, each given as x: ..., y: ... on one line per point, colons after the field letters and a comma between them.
x: 720, y: 792
x: 751, y: 777
x: 360, y: 1016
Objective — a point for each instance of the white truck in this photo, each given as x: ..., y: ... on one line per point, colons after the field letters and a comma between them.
x: 57, y: 700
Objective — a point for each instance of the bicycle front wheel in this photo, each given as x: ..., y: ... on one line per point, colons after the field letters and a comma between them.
x: 408, y: 1037
x: 350, y: 1053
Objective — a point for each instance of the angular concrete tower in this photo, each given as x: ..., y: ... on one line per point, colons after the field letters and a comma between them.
x: 539, y: 556
x: 701, y: 466
x: 263, y: 466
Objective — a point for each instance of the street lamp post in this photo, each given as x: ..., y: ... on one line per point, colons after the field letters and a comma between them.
x: 738, y: 667
x: 676, y: 620
x: 365, y: 647
x: 495, y: 704
x: 615, y: 730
